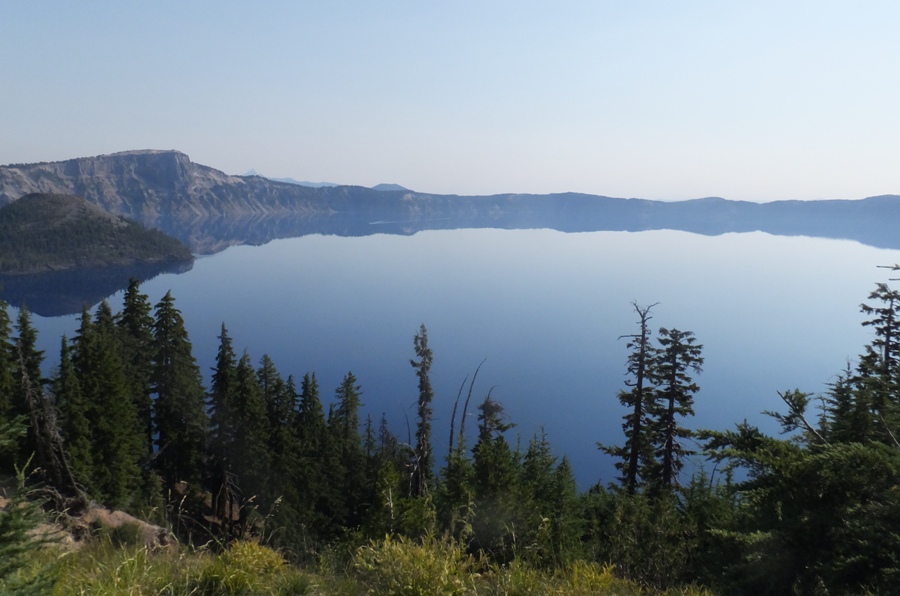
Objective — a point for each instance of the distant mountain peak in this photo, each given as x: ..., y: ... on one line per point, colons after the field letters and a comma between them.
x: 389, y: 187
x: 301, y: 182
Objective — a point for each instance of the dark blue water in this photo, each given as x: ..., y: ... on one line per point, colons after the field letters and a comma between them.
x: 543, y: 309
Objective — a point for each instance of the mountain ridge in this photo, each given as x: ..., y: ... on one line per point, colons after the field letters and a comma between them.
x: 208, y: 209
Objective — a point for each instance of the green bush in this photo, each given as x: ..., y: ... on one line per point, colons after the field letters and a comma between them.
x: 246, y: 568
x: 405, y: 567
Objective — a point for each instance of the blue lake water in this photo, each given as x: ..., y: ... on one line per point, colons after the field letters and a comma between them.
x: 543, y: 309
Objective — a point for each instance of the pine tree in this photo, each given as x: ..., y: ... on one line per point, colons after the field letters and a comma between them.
x: 221, y: 404
x: 135, y: 324
x: 677, y: 355
x: 76, y: 417
x: 422, y: 457
x: 115, y: 433
x: 879, y: 366
x: 883, y: 353
x: 7, y: 366
x: 21, y: 541
x: 316, y: 495
x: 848, y: 412
x: 281, y: 400
x: 180, y: 419
x: 495, y: 475
x: 456, y: 492
x: 28, y: 384
x: 250, y: 453
x: 637, y: 451
x: 349, y: 473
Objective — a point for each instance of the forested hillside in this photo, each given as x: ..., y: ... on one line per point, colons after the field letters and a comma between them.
x: 42, y: 232
x: 261, y: 455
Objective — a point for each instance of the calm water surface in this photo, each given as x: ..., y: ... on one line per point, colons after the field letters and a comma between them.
x: 543, y: 309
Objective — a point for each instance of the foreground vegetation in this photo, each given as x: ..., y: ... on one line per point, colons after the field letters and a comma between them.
x: 343, y: 506
x: 389, y: 566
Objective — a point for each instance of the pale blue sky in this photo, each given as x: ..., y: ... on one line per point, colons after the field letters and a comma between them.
x: 658, y: 99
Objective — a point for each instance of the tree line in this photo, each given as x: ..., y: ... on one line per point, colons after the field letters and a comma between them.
x: 125, y: 419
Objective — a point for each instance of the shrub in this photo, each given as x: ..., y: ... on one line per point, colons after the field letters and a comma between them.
x: 405, y: 567
x: 240, y: 569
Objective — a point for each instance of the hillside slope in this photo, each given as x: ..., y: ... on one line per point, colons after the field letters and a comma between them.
x: 52, y: 232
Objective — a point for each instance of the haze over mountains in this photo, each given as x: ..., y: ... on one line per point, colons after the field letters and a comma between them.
x: 210, y: 210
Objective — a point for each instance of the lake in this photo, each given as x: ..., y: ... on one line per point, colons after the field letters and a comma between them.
x: 543, y: 309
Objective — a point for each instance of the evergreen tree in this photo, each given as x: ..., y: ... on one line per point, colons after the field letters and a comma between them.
x: 135, y: 324
x: 566, y: 523
x: 814, y: 516
x: 76, y: 417
x: 495, y: 475
x: 879, y: 375
x: 119, y: 424
x: 349, y: 473
x: 250, y: 454
x: 28, y: 384
x: 636, y: 453
x: 883, y: 353
x: 316, y: 494
x: 221, y: 404
x: 456, y: 492
x: 115, y: 444
x: 7, y: 366
x: 387, y: 460
x: 849, y: 415
x: 21, y: 540
x: 678, y: 354
x: 422, y: 457
x: 180, y: 419
x: 311, y: 425
x: 282, y: 402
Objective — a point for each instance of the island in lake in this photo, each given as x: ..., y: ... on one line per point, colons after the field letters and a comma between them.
x: 41, y: 233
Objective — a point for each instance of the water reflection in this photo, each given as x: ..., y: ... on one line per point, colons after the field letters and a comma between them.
x: 543, y: 308
x: 870, y: 221
x: 66, y: 292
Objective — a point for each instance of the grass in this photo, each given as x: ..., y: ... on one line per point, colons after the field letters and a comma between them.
x: 398, y: 566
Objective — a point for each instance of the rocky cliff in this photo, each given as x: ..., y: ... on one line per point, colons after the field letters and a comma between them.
x: 152, y: 185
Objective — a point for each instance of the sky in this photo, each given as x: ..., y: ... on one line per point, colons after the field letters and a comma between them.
x: 666, y: 100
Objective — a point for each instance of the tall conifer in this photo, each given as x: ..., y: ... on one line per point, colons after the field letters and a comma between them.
x: 422, y: 457
x: 180, y: 417
x: 349, y: 473
x: 678, y: 355
x: 75, y: 417
x: 316, y: 493
x: 28, y: 383
x: 116, y: 433
x: 7, y: 365
x: 221, y: 402
x: 637, y: 452
x: 250, y: 452
x: 135, y: 323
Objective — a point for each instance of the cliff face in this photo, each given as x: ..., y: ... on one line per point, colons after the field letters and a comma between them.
x: 149, y: 185
x: 166, y: 189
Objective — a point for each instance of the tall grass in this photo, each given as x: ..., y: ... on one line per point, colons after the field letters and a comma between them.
x: 246, y: 568
x: 393, y: 565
